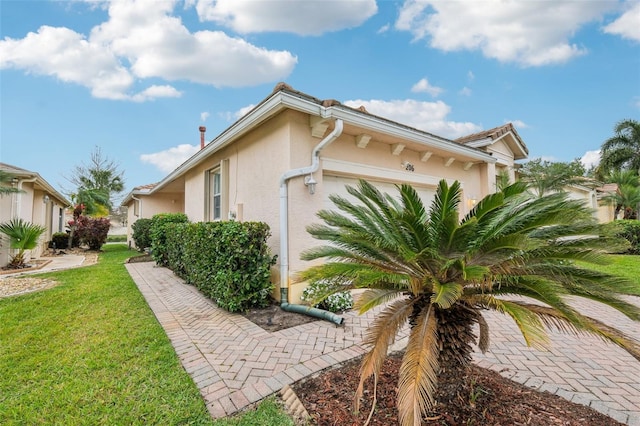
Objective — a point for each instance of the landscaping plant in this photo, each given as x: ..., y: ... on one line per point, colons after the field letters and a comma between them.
x: 230, y: 262
x: 142, y: 233
x: 320, y: 294
x: 92, y: 231
x: 23, y: 236
x: 158, y: 232
x: 438, y: 272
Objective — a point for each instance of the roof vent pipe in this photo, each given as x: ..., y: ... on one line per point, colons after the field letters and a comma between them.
x: 202, y: 130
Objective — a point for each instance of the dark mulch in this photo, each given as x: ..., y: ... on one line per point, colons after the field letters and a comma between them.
x: 490, y: 400
x: 273, y: 318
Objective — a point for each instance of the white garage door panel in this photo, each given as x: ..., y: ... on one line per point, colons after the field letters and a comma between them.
x: 336, y: 185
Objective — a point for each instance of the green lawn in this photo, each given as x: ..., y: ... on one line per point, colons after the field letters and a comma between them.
x: 90, y: 352
x: 622, y: 265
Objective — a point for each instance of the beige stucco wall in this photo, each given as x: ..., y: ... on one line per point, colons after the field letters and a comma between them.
x: 30, y: 206
x: 149, y: 205
x: 256, y: 162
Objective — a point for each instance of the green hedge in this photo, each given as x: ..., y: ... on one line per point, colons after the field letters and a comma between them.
x: 142, y: 233
x: 629, y: 230
x: 229, y: 262
x: 158, y: 233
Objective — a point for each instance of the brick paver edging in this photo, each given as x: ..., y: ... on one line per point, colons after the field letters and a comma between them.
x: 235, y: 363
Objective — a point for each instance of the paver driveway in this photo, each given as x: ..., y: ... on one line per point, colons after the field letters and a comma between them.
x: 235, y: 363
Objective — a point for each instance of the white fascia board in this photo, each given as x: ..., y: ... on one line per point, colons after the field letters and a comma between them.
x: 416, y: 136
x: 481, y: 143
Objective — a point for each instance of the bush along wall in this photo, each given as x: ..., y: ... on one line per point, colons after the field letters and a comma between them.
x: 229, y: 262
x: 158, y: 232
x: 142, y: 233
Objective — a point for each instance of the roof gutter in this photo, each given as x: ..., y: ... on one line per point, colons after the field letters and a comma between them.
x: 284, y: 229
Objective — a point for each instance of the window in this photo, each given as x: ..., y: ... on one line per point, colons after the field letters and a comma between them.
x: 216, y: 205
x: 215, y: 195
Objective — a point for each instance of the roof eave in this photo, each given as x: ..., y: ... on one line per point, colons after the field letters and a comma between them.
x: 282, y: 100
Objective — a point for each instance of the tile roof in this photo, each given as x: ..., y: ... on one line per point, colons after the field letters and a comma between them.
x: 143, y: 187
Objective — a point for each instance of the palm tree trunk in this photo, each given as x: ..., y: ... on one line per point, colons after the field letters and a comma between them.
x: 455, y: 332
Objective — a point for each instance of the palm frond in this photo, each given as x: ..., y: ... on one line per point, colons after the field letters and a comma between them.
x: 380, y: 335
x: 445, y: 294
x: 373, y: 297
x: 483, y: 334
x: 528, y: 323
x: 418, y: 371
x: 443, y: 215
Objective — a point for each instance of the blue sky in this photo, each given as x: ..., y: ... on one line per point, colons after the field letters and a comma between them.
x: 137, y: 78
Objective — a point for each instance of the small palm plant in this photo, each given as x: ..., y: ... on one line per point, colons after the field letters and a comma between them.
x: 23, y: 236
x: 438, y: 273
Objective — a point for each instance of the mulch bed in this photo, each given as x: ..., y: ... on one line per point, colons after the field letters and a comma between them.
x: 491, y: 400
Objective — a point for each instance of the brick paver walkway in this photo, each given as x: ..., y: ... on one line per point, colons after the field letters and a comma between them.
x: 235, y: 363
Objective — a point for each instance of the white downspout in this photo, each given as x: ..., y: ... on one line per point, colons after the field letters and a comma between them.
x: 284, y: 205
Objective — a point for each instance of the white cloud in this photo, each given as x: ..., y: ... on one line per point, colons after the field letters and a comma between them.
x: 298, y: 17
x: 427, y: 116
x: 233, y: 116
x: 204, y: 116
x: 628, y: 24
x: 171, y: 158
x: 530, y: 33
x: 424, y: 86
x: 590, y: 159
x: 465, y: 91
x: 518, y: 123
x: 155, y: 92
x: 243, y: 111
x: 383, y: 29
x: 471, y: 76
x: 70, y: 57
x: 142, y: 39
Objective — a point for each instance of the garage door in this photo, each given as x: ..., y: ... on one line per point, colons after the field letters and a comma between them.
x: 336, y: 185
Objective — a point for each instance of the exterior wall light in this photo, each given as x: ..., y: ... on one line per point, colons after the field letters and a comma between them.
x: 310, y: 183
x: 46, y: 199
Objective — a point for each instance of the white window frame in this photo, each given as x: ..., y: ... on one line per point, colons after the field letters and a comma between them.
x: 214, y: 194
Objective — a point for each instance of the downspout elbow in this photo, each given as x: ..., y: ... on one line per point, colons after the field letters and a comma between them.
x: 307, y: 310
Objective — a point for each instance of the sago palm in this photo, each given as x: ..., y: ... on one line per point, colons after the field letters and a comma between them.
x: 23, y: 236
x: 438, y: 273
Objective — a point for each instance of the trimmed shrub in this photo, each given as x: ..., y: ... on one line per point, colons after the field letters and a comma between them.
x: 142, y: 233
x: 629, y: 230
x: 159, y: 234
x: 92, y: 231
x: 59, y: 240
x: 176, y: 234
x: 229, y: 262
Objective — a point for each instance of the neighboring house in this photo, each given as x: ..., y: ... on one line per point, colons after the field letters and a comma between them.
x: 38, y: 203
x: 280, y: 162
x: 606, y: 212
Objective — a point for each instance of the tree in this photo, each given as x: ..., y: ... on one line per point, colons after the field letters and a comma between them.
x: 627, y: 195
x: 97, y: 183
x: 24, y: 236
x: 6, y: 180
x: 548, y: 176
x: 622, y: 151
x: 439, y: 273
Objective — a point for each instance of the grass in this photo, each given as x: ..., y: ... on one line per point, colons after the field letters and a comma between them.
x: 623, y: 265
x: 90, y: 352
x: 116, y: 238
